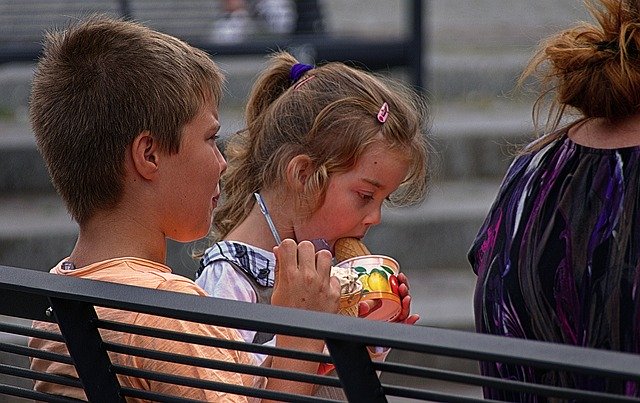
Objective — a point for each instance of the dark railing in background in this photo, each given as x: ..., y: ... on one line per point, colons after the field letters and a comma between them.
x: 23, y: 23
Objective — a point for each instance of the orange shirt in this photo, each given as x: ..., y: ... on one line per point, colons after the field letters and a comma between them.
x: 144, y: 273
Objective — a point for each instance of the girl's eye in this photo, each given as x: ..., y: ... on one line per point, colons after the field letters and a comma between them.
x: 366, y: 196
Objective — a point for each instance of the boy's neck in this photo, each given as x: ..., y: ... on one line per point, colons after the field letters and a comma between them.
x: 106, y: 236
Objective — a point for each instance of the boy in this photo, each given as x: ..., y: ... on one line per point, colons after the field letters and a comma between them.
x: 126, y: 119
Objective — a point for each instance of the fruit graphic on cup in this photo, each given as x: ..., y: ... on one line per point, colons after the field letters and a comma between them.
x: 377, y: 273
x: 380, y: 278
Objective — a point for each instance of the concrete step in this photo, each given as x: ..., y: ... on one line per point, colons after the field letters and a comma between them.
x: 471, y: 142
x: 474, y: 50
x: 434, y: 386
x: 477, y: 141
x: 438, y: 232
x: 21, y: 167
x: 36, y: 231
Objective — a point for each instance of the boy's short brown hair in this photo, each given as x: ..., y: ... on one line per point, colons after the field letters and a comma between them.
x: 99, y: 84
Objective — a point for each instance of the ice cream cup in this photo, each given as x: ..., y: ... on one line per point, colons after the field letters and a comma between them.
x: 378, y: 275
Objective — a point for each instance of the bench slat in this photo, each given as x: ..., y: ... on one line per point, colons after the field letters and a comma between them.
x: 353, y: 365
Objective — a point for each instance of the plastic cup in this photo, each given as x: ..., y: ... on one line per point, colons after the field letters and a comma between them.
x: 378, y: 275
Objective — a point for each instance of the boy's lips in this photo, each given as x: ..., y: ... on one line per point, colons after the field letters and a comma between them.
x: 216, y: 196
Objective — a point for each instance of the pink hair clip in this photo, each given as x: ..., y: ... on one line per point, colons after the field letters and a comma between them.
x: 383, y: 113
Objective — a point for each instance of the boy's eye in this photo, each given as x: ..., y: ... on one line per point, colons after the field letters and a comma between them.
x: 366, y: 196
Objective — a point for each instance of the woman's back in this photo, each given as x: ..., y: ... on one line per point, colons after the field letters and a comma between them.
x: 557, y: 257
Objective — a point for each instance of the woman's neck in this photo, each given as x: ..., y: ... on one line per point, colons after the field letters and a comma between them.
x: 604, y: 134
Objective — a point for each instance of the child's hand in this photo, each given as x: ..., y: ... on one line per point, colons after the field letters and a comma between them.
x: 368, y: 306
x: 302, y: 278
x: 405, y: 301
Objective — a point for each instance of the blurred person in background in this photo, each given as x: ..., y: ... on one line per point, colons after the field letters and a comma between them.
x: 241, y: 19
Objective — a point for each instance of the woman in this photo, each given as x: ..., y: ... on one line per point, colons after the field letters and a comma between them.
x: 557, y: 256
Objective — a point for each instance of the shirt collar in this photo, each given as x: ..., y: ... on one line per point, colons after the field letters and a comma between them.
x: 258, y: 263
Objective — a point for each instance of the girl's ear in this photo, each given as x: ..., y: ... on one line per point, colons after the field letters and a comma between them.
x: 145, y: 155
x: 298, y: 171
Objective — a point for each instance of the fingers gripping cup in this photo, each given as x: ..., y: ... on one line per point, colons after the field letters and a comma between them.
x: 378, y: 275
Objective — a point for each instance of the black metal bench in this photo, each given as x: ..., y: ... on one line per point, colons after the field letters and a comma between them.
x: 35, y: 295
x: 23, y: 23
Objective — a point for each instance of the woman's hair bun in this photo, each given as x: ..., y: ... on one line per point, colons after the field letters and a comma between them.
x: 593, y: 67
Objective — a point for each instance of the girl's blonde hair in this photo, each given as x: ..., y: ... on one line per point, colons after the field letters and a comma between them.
x: 330, y: 115
x: 590, y: 68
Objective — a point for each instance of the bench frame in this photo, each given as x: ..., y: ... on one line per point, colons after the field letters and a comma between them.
x: 37, y: 295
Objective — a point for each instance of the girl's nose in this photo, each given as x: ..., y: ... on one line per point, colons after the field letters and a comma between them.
x: 373, y: 217
x: 221, y: 161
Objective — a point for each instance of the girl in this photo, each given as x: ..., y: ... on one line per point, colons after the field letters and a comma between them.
x: 323, y: 149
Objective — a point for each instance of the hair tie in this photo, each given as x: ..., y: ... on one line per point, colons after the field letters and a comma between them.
x: 383, y: 113
x: 611, y: 46
x: 297, y: 70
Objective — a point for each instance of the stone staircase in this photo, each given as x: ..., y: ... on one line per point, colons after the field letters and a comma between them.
x: 474, y: 56
x: 476, y: 49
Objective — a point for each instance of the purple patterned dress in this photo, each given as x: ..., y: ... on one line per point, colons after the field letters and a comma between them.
x: 557, y: 258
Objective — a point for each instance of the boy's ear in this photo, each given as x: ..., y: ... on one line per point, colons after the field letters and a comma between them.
x: 145, y: 153
x: 298, y: 171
